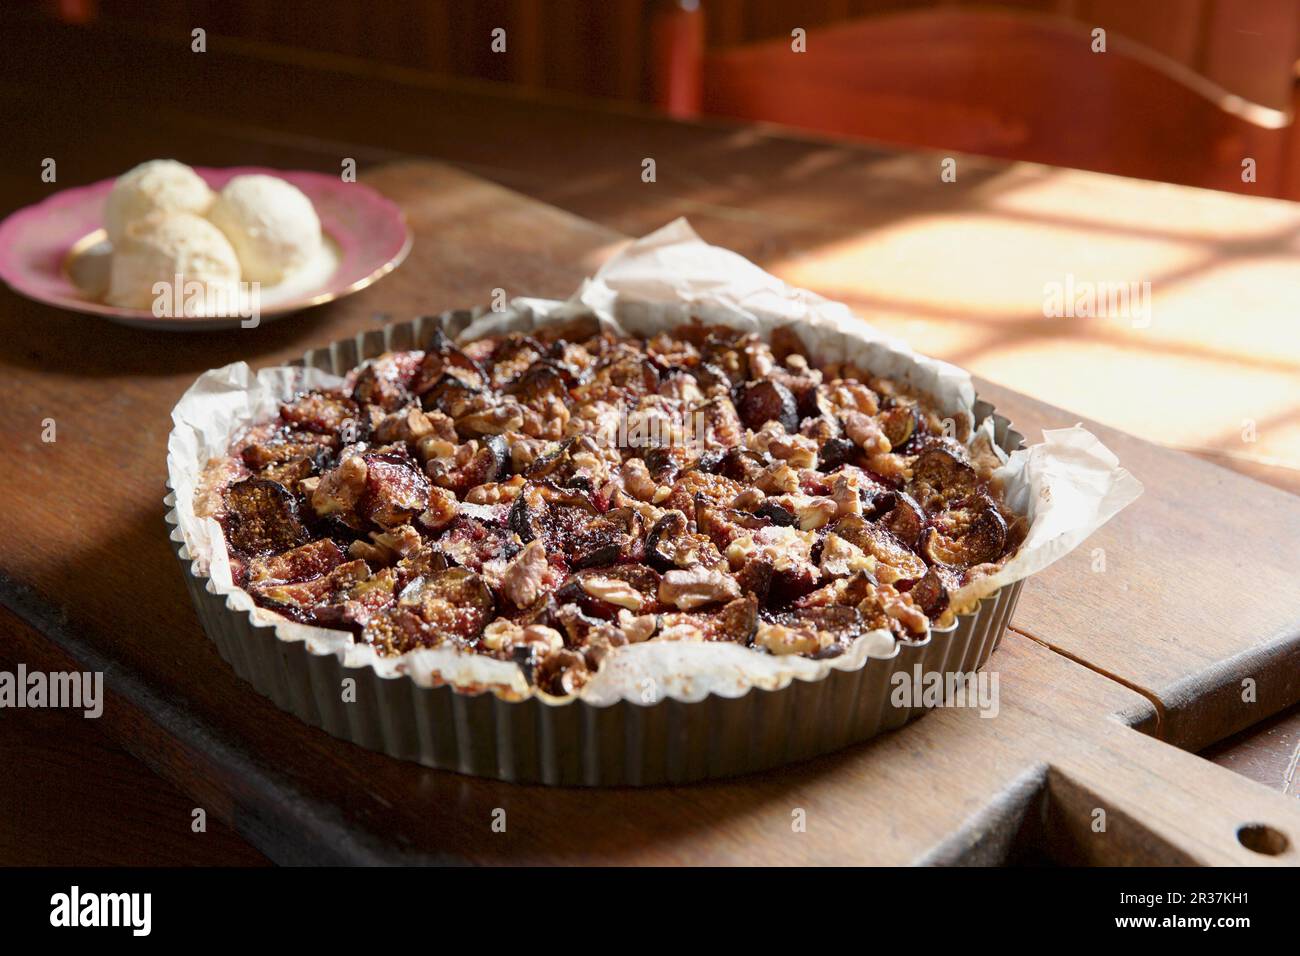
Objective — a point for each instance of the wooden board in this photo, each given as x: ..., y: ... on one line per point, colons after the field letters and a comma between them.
x: 1190, y: 596
x: 87, y: 566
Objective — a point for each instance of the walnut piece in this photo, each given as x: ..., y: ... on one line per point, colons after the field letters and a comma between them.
x: 613, y: 590
x: 522, y: 582
x: 341, y: 488
x: 697, y: 587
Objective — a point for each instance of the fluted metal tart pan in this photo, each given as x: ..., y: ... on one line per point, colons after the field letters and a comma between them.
x: 575, y: 742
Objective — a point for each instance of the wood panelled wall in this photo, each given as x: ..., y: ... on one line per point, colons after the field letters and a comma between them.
x: 602, y: 47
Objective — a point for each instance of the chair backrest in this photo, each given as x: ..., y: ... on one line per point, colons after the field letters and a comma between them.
x: 1021, y: 86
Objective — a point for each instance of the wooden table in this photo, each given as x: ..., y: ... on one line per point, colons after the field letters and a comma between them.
x: 87, y: 575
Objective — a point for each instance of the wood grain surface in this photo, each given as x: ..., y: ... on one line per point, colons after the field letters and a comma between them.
x: 79, y: 576
x: 81, y: 800
x: 86, y: 562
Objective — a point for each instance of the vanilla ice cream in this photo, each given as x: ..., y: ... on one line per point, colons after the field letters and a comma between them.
x: 271, y: 224
x: 160, y: 185
x: 165, y: 245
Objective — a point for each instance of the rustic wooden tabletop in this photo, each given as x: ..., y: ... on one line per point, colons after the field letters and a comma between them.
x: 958, y: 268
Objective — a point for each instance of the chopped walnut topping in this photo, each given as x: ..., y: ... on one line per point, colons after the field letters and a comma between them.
x: 501, y: 634
x: 780, y: 639
x: 495, y: 492
x: 637, y: 481
x: 637, y: 628
x: 697, y: 587
x: 900, y: 608
x: 409, y: 424
x: 435, y: 448
x: 613, y: 590
x: 522, y: 582
x: 812, y: 512
x: 340, y: 490
x: 441, y: 510
x: 780, y: 479
x: 492, y: 421
x: 865, y: 432
x: 840, y: 557
x: 547, y: 637
x: 387, y: 547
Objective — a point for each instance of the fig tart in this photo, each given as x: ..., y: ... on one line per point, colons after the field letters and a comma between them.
x: 549, y: 496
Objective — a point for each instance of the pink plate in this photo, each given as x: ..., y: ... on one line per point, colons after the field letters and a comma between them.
x: 43, y: 245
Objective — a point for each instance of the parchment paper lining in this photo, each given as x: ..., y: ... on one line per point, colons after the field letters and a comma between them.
x: 1068, y: 486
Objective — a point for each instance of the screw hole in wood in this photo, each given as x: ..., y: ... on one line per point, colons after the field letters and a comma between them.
x: 1260, y: 838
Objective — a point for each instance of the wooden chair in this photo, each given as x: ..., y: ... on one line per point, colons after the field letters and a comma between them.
x: 1013, y: 85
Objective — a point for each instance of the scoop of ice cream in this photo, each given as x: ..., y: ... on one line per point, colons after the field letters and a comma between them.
x: 160, y: 185
x: 165, y: 245
x: 271, y: 224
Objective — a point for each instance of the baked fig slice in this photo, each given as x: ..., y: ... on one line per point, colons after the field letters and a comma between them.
x: 396, y: 489
x: 631, y: 372
x: 777, y: 514
x: 605, y: 539
x: 711, y: 378
x: 527, y: 512
x: 442, y: 356
x: 815, y: 403
x: 736, y: 621
x: 722, y: 525
x: 836, y: 452
x: 667, y: 462
x: 930, y: 594
x: 452, y: 605
x: 900, y: 425
x: 319, y: 412
x: 841, y: 623
x: 512, y: 355
x: 898, y: 512
x: 541, y: 385
x: 454, y: 396
x: 290, y: 472
x: 940, y: 478
x: 470, y: 542
x: 385, y: 381
x: 262, y: 517
x: 894, y: 560
x: 716, y: 423
x: 306, y: 597
x: 489, y: 464
x: 966, y: 536
x: 352, y: 608
x: 283, y: 448
x: 555, y: 463
x: 568, y: 523
x: 743, y: 465
x: 306, y: 561
x: 575, y: 627
x: 767, y: 401
x: 755, y: 577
